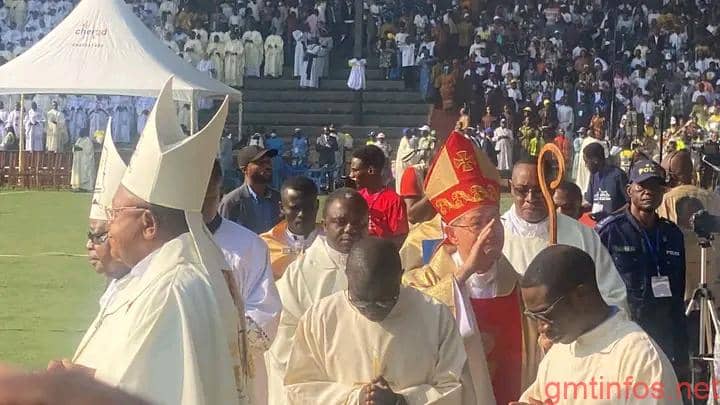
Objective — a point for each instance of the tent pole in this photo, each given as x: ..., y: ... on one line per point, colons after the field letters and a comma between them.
x: 21, y: 141
x: 240, y: 114
x: 192, y: 114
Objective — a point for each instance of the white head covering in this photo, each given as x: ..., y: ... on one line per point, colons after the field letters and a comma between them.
x: 110, y: 172
x: 173, y: 170
x: 169, y: 168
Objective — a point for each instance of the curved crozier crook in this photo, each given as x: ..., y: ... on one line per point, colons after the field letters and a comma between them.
x: 549, y: 187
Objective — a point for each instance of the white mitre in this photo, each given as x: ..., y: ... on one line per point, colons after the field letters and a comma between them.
x: 110, y: 172
x: 172, y: 170
x: 168, y: 168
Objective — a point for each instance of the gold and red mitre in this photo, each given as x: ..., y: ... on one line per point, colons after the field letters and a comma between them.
x: 461, y: 178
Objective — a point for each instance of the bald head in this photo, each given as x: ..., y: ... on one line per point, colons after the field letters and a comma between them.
x: 679, y: 166
x: 560, y: 292
x: 374, y: 273
x: 373, y: 261
x: 560, y: 268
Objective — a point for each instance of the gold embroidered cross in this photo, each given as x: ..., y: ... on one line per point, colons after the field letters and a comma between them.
x: 462, y: 161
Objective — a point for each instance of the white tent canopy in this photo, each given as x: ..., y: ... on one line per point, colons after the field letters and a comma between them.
x: 102, y: 48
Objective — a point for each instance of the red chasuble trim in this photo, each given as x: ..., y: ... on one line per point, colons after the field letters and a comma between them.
x: 500, y: 322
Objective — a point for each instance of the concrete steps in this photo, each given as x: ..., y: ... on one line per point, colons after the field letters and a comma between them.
x: 358, y: 132
x: 325, y: 84
x: 340, y: 96
x: 281, y: 105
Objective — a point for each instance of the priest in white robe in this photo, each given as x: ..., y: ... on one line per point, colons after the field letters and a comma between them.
x: 82, y: 175
x: 79, y: 123
x: 300, y: 43
x: 34, y: 129
x: 216, y: 50
x: 194, y: 48
x: 323, y: 62
x: 234, y: 61
x: 207, y: 66
x: 121, y: 124
x: 403, y: 345
x: 249, y: 261
x: 274, y: 56
x: 598, y: 355
x: 13, y: 119
x: 92, y: 348
x: 178, y: 340
x: 252, y: 40
x: 97, y: 122
x: 319, y: 272
x: 310, y: 75
x: 57, y: 135
x: 503, y: 139
x: 526, y: 226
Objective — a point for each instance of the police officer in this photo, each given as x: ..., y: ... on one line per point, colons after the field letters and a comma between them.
x: 649, y: 253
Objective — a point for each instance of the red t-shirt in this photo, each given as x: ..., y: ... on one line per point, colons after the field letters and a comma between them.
x: 388, y: 216
x: 411, y: 183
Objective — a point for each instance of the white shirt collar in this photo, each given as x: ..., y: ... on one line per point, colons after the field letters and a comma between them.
x: 521, y: 227
x: 339, y: 259
x: 252, y: 192
x: 300, y: 240
x: 141, y: 267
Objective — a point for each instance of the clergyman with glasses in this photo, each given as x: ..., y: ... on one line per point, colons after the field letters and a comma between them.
x: 469, y: 273
x: 598, y: 356
x: 526, y: 225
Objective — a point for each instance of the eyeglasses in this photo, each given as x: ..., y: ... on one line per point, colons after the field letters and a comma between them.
x: 112, y: 212
x: 364, y: 305
x: 473, y: 227
x: 544, y: 315
x: 525, y: 190
x: 97, y: 238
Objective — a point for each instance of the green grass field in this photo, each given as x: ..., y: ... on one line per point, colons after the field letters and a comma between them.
x: 47, y: 297
x: 48, y: 291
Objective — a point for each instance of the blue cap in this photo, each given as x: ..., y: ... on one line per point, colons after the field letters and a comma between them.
x: 644, y: 170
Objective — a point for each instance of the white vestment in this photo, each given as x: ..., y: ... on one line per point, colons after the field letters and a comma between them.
x: 234, y: 63
x: 216, y: 50
x: 57, y: 134
x: 595, y: 368
x: 82, y: 176
x: 249, y: 261
x: 4, y: 115
x: 319, y: 272
x: 207, y: 66
x: 194, y: 49
x: 503, y: 139
x: 79, y: 124
x: 523, y: 241
x: 310, y: 75
x: 13, y: 120
x: 328, y: 365
x: 253, y: 53
x: 92, y: 350
x: 97, y: 122
x: 34, y: 132
x: 356, y: 80
x: 171, y: 344
x: 274, y: 56
x: 299, y: 52
x: 323, y: 59
x: 121, y: 126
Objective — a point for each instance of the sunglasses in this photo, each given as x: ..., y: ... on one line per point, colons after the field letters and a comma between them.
x: 97, y: 238
x: 365, y: 305
x: 544, y: 315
